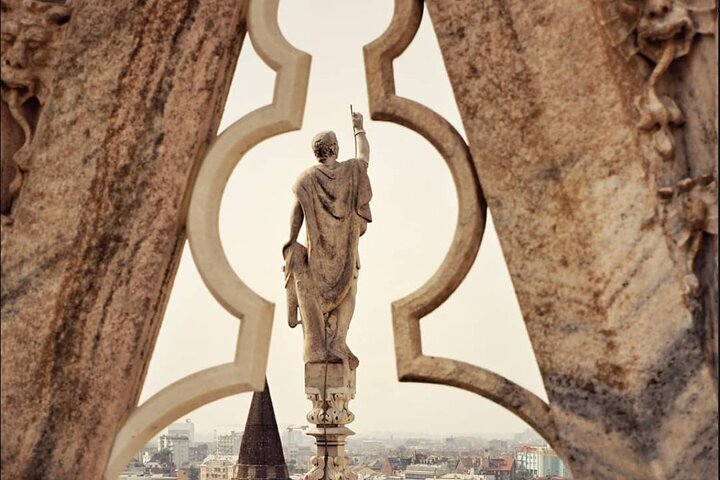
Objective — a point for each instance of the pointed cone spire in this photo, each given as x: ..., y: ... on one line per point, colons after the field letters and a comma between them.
x: 261, y: 455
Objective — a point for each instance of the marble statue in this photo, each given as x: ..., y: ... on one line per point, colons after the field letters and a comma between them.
x: 332, y: 198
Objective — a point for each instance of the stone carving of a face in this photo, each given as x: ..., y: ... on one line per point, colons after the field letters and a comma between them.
x: 658, y: 21
x: 658, y: 31
x: 646, y: 26
x: 28, y: 52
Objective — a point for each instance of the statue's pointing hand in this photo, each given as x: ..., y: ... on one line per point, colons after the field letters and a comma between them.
x: 357, y: 120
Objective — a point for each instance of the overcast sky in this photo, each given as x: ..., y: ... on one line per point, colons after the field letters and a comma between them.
x: 414, y: 211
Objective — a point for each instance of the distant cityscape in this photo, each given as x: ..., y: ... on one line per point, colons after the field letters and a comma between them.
x: 178, y: 455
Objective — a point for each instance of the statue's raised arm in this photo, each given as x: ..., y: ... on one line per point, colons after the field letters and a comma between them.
x: 363, y: 147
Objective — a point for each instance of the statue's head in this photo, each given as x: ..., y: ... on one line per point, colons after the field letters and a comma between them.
x: 325, y: 146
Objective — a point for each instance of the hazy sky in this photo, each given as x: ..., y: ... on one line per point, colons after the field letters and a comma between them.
x: 414, y: 211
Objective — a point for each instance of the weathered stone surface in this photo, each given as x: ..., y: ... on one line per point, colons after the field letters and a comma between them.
x: 98, y: 227
x: 549, y: 114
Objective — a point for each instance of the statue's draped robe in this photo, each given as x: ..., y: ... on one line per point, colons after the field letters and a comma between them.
x: 336, y: 204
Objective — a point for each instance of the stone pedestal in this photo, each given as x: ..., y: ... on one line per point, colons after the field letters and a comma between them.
x: 330, y: 387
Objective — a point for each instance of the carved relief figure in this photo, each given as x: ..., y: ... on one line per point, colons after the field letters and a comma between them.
x: 692, y: 211
x: 321, y: 278
x: 660, y: 31
x: 30, y: 30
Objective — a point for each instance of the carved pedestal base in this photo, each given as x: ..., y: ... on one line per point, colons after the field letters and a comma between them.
x: 330, y: 387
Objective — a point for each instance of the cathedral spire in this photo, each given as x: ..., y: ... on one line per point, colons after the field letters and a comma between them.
x: 261, y: 455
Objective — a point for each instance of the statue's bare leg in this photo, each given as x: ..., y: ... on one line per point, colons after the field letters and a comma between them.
x: 312, y: 322
x: 304, y: 294
x: 344, y: 313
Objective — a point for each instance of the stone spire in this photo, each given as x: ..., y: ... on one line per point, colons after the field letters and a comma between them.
x: 261, y: 455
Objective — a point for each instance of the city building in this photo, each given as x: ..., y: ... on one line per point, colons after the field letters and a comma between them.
x: 143, y: 476
x: 146, y: 453
x: 294, y: 434
x: 198, y: 452
x: 541, y: 461
x: 295, y: 452
x: 376, y: 465
x: 468, y: 465
x: 395, y: 466
x: 467, y: 476
x: 497, y: 448
x: 423, y: 472
x: 133, y: 469
x: 362, y: 472
x: 502, y: 468
x: 550, y: 464
x: 420, y: 457
x: 217, y: 467
x: 186, y: 428
x: 265, y: 452
x: 160, y: 463
x: 229, y: 444
x: 527, y: 458
x: 179, y: 445
x: 303, y: 456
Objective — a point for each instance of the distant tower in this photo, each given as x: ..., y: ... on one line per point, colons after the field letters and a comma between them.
x: 261, y: 455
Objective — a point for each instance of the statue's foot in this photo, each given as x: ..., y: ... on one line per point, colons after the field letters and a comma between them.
x: 342, y: 351
x: 320, y: 356
x: 333, y: 357
x: 353, y: 361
